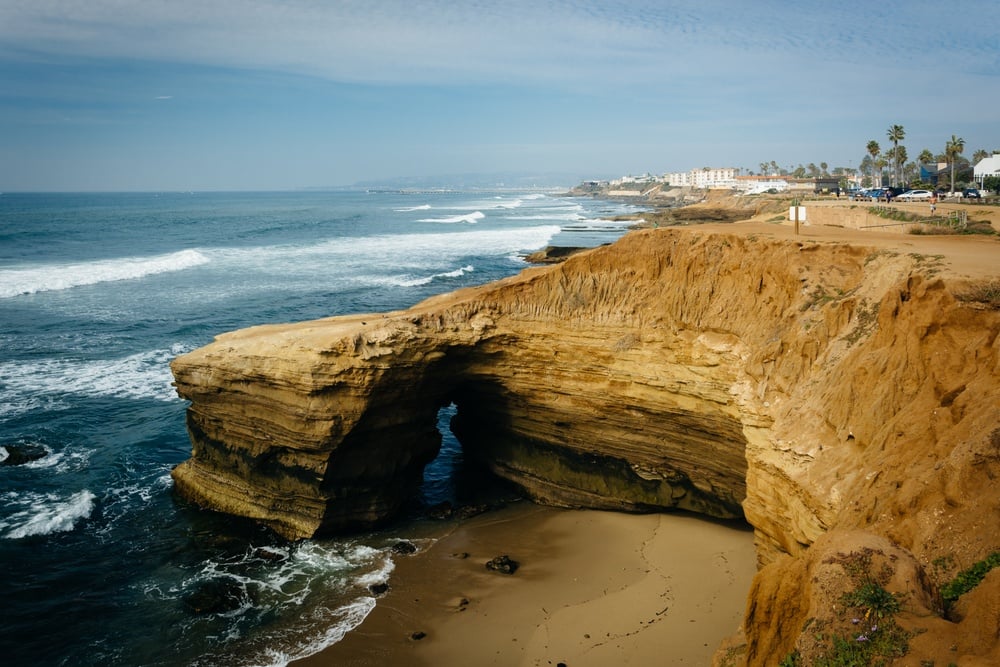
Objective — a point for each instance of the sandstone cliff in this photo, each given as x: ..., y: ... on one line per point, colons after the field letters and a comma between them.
x: 815, y: 388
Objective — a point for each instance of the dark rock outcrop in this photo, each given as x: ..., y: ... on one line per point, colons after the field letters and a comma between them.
x: 503, y: 564
x: 17, y: 455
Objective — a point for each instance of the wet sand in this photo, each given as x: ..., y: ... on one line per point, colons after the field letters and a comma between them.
x: 593, y: 588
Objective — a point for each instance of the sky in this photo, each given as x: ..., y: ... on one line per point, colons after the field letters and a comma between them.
x: 284, y: 94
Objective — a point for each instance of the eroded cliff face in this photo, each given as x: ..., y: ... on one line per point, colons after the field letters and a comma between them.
x: 810, y: 387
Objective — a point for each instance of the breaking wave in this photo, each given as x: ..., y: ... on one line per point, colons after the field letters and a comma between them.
x: 142, y: 375
x: 416, y: 282
x: 45, y: 513
x: 50, y: 277
x: 470, y: 218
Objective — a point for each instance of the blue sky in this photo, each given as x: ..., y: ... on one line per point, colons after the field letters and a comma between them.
x: 271, y: 94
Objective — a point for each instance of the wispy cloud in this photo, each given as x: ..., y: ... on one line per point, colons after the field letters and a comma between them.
x: 435, y: 41
x: 407, y: 85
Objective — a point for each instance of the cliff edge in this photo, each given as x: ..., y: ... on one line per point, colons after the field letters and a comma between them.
x: 833, y: 394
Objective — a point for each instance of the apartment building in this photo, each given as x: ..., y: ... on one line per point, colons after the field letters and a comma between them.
x: 706, y: 177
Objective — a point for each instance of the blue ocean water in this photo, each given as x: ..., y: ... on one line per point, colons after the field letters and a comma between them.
x: 102, y: 565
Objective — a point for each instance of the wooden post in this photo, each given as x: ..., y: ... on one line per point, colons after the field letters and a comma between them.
x: 795, y: 205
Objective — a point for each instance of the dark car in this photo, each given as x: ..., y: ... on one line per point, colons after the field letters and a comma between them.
x: 877, y: 194
x: 971, y: 193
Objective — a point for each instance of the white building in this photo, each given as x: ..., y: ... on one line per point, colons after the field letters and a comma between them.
x: 988, y: 166
x: 707, y: 177
x: 627, y: 180
x: 757, y: 186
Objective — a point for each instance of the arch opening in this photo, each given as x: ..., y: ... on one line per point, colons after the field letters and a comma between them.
x: 455, y: 482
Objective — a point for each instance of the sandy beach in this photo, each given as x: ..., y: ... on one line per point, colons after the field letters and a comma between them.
x: 592, y: 588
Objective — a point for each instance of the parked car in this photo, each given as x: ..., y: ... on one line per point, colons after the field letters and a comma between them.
x: 971, y: 193
x: 872, y: 194
x: 915, y: 195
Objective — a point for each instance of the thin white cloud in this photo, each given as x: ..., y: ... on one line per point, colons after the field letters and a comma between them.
x: 440, y: 41
x: 619, y: 84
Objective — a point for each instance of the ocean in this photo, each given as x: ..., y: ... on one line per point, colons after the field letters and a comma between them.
x: 98, y: 292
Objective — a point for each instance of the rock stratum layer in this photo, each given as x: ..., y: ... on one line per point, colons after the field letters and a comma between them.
x: 816, y: 389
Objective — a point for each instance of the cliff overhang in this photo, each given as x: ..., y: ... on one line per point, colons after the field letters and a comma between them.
x: 809, y: 387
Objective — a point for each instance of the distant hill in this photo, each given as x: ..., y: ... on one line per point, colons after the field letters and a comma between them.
x: 503, y: 180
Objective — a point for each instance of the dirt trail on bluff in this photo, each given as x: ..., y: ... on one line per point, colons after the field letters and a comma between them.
x: 972, y: 257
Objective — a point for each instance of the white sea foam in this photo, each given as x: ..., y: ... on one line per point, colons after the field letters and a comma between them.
x: 142, y: 375
x: 50, y: 277
x: 477, y: 205
x: 416, y: 282
x: 302, y: 586
x: 330, y: 626
x: 571, y: 216
x: 509, y: 204
x: 325, y: 626
x: 470, y: 218
x: 143, y: 490
x: 44, y: 514
x: 410, y: 209
x: 394, y: 249
x: 141, y: 487
x: 381, y: 260
x: 378, y: 576
x: 62, y: 462
x: 338, y: 623
x: 600, y: 224
x: 12, y: 405
x: 4, y: 454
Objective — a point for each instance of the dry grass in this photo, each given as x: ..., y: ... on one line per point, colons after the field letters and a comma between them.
x: 986, y: 293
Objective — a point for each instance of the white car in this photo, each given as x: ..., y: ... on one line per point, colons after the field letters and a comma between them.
x: 915, y: 195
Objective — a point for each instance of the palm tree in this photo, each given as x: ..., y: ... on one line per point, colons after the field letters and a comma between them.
x: 899, y: 156
x: 867, y: 164
x: 881, y: 164
x: 925, y: 157
x: 873, y: 150
x: 896, y: 133
x: 979, y: 156
x: 953, y: 148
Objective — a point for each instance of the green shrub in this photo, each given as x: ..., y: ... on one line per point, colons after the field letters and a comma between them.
x: 969, y: 578
x: 875, y: 637
x: 875, y: 600
x: 793, y: 659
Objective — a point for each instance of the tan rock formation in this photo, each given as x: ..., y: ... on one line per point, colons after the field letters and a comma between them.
x: 814, y: 387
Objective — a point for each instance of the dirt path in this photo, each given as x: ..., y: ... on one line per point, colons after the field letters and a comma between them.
x: 970, y: 256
